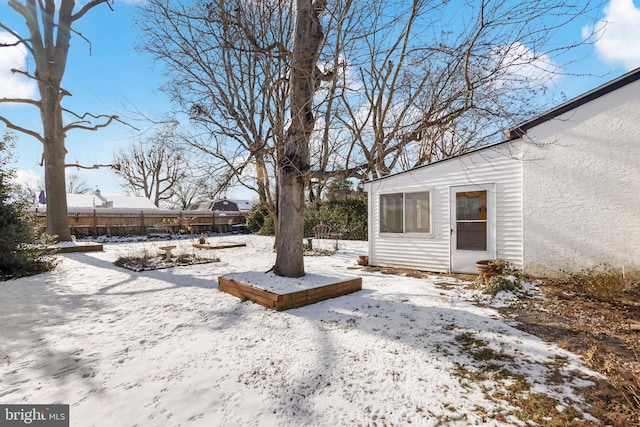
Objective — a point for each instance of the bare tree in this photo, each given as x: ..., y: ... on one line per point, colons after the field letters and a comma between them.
x: 152, y: 168
x: 418, y: 81
x: 227, y: 63
x: 411, y: 82
x: 75, y: 185
x: 414, y: 81
x: 199, y: 184
x: 49, y: 26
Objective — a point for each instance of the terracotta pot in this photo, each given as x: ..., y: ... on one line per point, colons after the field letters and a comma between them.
x: 363, y: 260
x: 482, y: 266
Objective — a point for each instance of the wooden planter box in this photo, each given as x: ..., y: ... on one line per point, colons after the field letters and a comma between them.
x: 221, y: 246
x: 79, y: 248
x: 288, y: 300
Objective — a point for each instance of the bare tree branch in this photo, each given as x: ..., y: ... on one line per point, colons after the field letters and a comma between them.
x: 87, y: 7
x: 85, y: 124
x: 20, y: 101
x: 26, y: 131
x: 63, y: 92
x: 79, y: 166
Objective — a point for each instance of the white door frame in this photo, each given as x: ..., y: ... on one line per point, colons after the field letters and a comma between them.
x: 463, y: 261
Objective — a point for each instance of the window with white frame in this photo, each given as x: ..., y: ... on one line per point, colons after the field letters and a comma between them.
x: 405, y: 212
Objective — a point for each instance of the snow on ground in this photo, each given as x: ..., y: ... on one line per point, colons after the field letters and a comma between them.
x: 166, y: 348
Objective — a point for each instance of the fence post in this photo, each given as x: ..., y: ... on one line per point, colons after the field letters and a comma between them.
x: 142, y: 228
x: 95, y: 224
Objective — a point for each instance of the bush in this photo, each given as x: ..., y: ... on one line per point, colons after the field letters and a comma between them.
x: 24, y: 249
x: 600, y: 283
x: 500, y: 283
x: 347, y: 216
x: 259, y: 221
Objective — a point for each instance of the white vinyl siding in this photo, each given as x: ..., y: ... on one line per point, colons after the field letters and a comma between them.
x: 498, y: 165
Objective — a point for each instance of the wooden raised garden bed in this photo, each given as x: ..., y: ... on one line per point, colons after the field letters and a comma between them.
x: 285, y: 301
x: 89, y: 247
x: 221, y: 246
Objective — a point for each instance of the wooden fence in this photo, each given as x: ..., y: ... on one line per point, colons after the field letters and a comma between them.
x: 123, y: 222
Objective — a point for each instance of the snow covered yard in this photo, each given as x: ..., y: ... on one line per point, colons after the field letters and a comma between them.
x: 166, y: 348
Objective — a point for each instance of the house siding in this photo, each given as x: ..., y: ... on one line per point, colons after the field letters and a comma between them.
x: 567, y: 190
x: 582, y: 186
x: 499, y: 165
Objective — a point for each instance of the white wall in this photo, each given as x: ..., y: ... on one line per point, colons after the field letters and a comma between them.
x: 499, y: 165
x: 582, y: 186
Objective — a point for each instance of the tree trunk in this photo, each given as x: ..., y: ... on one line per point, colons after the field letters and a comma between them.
x: 57, y: 213
x: 290, y: 227
x: 54, y: 154
x: 293, y: 164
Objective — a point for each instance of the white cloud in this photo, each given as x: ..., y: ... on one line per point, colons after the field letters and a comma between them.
x: 28, y: 179
x: 619, y: 41
x: 13, y: 85
x: 518, y: 63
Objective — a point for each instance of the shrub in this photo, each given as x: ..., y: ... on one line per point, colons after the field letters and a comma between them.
x: 347, y: 216
x: 600, y: 283
x: 259, y: 221
x: 24, y: 249
x: 500, y: 283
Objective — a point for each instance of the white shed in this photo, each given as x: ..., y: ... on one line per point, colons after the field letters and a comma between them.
x: 562, y: 193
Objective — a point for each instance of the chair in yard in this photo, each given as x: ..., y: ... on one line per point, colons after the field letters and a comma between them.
x: 321, y: 232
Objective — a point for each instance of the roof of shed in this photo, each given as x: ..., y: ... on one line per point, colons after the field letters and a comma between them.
x: 521, y: 129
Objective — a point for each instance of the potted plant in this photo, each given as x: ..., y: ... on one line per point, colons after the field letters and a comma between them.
x: 489, y: 268
x: 483, y: 266
x: 363, y: 260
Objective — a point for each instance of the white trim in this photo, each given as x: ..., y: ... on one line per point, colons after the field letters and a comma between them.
x: 490, y: 253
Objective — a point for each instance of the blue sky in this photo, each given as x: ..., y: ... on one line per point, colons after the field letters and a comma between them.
x: 115, y: 78
x: 107, y: 77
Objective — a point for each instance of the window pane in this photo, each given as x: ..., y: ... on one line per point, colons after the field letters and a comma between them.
x: 417, y: 213
x: 391, y: 213
x: 471, y: 236
x: 471, y: 205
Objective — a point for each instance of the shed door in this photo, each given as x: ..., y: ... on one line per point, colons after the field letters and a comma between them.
x: 472, y: 225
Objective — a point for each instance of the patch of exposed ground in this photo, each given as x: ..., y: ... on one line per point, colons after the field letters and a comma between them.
x: 605, y: 332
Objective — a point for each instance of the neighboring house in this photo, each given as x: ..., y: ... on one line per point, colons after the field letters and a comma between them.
x: 92, y: 201
x: 97, y: 214
x: 230, y: 215
x: 97, y: 201
x: 223, y: 206
x: 562, y: 193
